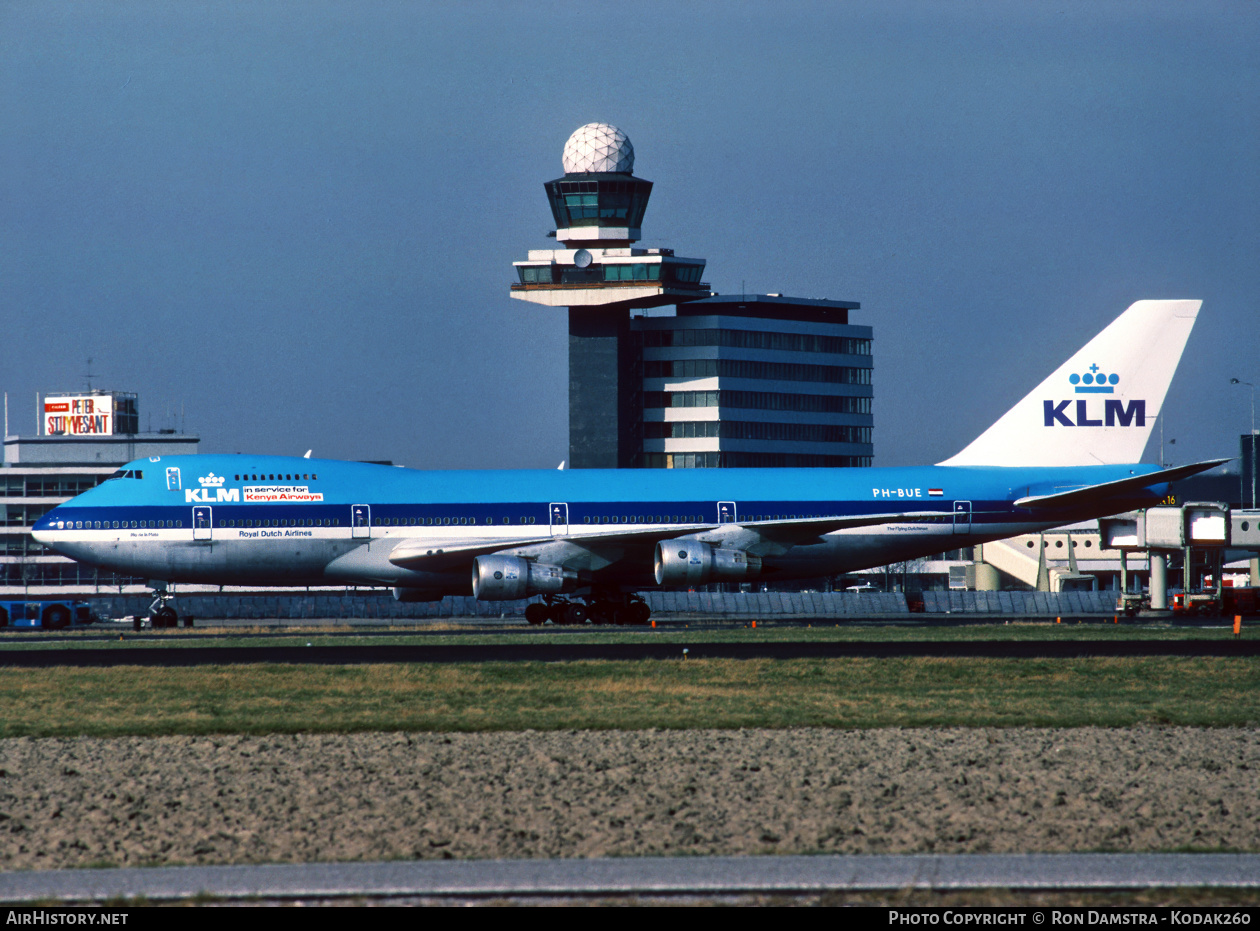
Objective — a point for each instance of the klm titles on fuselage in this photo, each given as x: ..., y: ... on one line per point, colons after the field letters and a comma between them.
x: 204, y: 496
x: 213, y: 492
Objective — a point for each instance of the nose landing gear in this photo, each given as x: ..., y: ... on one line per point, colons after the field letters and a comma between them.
x: 161, y: 614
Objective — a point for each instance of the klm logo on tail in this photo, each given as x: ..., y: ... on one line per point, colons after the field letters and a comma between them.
x: 1115, y: 413
x: 1113, y: 386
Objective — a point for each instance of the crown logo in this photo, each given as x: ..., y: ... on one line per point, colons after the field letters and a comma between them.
x: 1094, y: 381
x: 211, y: 481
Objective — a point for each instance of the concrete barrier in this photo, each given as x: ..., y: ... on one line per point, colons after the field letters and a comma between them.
x: 372, y: 605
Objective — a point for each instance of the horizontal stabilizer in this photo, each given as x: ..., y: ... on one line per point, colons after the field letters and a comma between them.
x: 1093, y: 493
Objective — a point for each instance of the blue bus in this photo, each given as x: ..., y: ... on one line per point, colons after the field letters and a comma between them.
x: 46, y: 614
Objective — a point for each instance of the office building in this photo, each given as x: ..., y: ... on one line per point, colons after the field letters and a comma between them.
x: 82, y: 439
x: 755, y: 380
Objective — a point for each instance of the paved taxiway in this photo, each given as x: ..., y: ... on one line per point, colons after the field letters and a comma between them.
x: 642, y: 876
x: 555, y: 650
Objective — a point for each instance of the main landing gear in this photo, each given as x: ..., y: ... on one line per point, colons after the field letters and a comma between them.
x: 600, y: 608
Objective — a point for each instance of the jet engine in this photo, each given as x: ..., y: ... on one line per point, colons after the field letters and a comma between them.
x: 690, y: 562
x: 506, y: 578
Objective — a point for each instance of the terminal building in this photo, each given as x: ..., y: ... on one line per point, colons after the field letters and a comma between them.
x: 716, y: 381
x: 81, y: 440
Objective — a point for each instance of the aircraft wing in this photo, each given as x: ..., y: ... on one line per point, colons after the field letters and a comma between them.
x: 802, y: 530
x: 1094, y: 493
x: 432, y: 554
x: 426, y: 554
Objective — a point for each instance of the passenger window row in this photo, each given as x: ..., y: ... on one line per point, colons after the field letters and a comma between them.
x: 277, y: 477
x: 283, y: 522
x: 122, y: 524
x: 441, y: 521
x: 649, y: 519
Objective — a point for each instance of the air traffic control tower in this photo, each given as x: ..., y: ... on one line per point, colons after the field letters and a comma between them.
x: 737, y: 380
x: 600, y: 277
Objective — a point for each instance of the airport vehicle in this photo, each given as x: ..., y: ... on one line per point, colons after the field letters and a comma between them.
x: 1130, y: 603
x: 52, y: 614
x: 588, y: 540
x: 1217, y: 602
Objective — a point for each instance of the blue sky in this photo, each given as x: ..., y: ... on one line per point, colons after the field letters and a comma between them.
x: 295, y: 222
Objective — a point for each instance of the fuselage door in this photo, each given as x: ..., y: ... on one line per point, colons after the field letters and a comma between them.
x: 962, y: 517
x: 559, y: 519
x: 202, y: 523
x: 726, y: 512
x: 172, y: 478
x: 360, y: 521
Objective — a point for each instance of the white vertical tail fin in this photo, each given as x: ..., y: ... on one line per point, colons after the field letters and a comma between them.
x: 1100, y: 406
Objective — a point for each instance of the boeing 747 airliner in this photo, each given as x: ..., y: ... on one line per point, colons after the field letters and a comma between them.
x: 588, y: 540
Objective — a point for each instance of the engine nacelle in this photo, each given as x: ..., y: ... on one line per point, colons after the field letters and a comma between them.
x: 507, y: 578
x: 690, y: 562
x: 409, y: 595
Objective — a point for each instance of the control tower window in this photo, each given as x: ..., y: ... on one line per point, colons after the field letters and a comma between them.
x: 688, y: 274
x: 614, y: 206
x: 536, y: 274
x: 602, y: 201
x: 632, y: 272
x: 580, y: 275
x: 582, y: 206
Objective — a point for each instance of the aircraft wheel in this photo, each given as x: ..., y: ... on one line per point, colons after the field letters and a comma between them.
x: 536, y: 614
x: 56, y: 618
x: 137, y: 622
x: 166, y: 617
x: 639, y: 612
x: 575, y: 613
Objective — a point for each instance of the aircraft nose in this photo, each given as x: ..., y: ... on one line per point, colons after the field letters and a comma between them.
x: 42, y: 529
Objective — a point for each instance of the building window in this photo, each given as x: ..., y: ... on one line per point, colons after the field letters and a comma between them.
x: 756, y: 430
x: 760, y: 400
x: 756, y: 339
x: 739, y: 368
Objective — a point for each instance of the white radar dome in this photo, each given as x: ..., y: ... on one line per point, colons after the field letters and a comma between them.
x: 598, y: 147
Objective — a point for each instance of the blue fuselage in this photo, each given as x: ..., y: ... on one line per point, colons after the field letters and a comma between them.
x: 251, y: 520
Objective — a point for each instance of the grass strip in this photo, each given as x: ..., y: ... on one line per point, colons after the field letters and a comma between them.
x: 844, y: 693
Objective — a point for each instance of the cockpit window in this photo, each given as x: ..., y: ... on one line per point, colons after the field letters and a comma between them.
x: 126, y: 473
